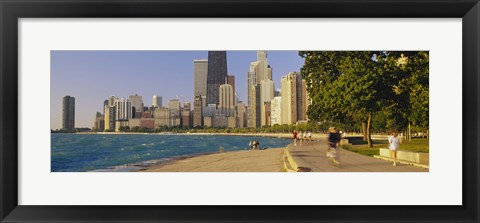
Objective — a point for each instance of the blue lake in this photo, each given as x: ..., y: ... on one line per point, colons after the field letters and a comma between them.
x: 89, y: 152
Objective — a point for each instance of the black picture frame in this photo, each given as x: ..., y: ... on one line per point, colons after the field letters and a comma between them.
x: 11, y: 11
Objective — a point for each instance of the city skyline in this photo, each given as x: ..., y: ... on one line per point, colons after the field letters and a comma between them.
x: 93, y: 76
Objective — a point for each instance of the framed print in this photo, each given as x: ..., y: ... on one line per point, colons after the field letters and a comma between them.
x: 239, y: 111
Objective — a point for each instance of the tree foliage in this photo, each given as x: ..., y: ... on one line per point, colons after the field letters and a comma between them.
x: 352, y: 87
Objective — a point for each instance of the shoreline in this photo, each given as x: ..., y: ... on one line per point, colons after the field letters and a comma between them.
x: 146, y: 165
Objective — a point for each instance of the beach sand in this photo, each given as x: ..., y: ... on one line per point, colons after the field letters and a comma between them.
x: 269, y: 160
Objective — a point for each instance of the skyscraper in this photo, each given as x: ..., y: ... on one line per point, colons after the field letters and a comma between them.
x: 216, y: 74
x: 175, y: 113
x: 99, y: 123
x: 68, y: 113
x: 276, y: 110
x: 255, y: 111
x: 266, y: 95
x: 293, y: 103
x: 186, y: 115
x: 162, y: 117
x: 137, y: 105
x: 259, y: 71
x: 226, y: 104
x: 110, y: 118
x: 240, y: 107
x: 197, y: 111
x: 123, y: 109
x: 157, y: 101
x: 231, y: 81
x: 200, y: 71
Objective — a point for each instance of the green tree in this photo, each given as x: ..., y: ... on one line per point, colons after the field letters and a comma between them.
x: 351, y: 87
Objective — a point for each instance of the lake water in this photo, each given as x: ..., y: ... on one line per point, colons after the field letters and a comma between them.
x: 109, y: 152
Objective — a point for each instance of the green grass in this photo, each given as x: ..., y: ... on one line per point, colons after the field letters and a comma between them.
x: 360, y: 146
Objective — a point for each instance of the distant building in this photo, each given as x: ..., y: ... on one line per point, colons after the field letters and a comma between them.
x: 174, y: 106
x: 186, y: 119
x: 226, y: 105
x: 294, y: 98
x: 207, y: 121
x: 259, y: 71
x: 232, y: 122
x: 123, y: 109
x: 134, y: 122
x: 121, y: 123
x: 210, y: 110
x: 162, y: 117
x: 276, y: 113
x: 216, y: 74
x: 197, y: 111
x: 231, y: 81
x: 187, y: 106
x: 110, y: 117
x: 148, y: 123
x: 137, y: 105
x: 267, y: 113
x: 266, y: 95
x: 241, y: 115
x: 200, y: 71
x: 219, y: 120
x: 157, y: 101
x: 111, y: 100
x: 99, y: 123
x: 68, y: 113
x: 255, y: 115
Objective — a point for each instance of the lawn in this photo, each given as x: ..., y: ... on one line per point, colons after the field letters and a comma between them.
x: 360, y: 146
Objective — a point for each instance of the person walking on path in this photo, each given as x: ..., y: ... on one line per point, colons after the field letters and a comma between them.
x: 394, y: 144
x: 309, y: 136
x: 295, y: 137
x: 333, y: 141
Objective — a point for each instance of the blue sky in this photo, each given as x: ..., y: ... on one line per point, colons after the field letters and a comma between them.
x: 93, y: 76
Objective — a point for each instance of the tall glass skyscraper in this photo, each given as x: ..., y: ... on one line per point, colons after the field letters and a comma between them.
x: 217, y: 74
x: 68, y: 113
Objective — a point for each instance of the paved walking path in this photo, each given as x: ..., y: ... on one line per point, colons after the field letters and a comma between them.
x: 312, y: 155
x: 269, y: 160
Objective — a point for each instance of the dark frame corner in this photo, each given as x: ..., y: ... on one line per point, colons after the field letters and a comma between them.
x: 11, y: 11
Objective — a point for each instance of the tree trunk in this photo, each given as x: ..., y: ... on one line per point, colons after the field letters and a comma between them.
x: 369, y: 130
x: 409, y: 132
x: 364, y: 129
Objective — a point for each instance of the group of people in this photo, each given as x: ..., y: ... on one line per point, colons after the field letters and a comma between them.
x: 334, y: 137
x: 255, y: 144
x: 298, y: 135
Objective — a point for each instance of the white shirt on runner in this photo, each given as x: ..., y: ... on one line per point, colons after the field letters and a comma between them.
x: 394, y: 142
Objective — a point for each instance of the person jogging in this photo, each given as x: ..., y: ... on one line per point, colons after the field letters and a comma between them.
x: 394, y: 144
x: 295, y: 137
x: 333, y: 141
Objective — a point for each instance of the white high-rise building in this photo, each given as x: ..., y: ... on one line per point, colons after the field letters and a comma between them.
x: 157, y: 101
x: 123, y: 109
x: 259, y: 70
x: 226, y: 104
x: 294, y: 98
x: 276, y: 106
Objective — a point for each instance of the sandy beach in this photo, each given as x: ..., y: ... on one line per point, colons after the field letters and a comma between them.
x: 269, y: 160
